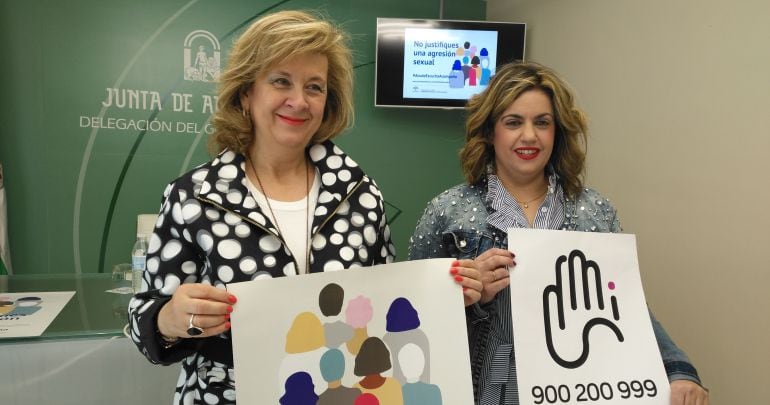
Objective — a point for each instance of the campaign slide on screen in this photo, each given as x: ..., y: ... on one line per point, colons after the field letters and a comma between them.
x: 446, y: 63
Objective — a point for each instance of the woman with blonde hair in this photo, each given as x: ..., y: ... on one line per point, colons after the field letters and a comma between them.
x: 523, y: 160
x: 279, y: 199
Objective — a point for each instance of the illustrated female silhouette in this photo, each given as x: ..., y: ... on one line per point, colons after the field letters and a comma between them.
x: 402, y: 325
x: 372, y: 360
x: 299, y: 390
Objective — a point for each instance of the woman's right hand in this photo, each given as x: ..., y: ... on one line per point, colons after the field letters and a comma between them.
x: 210, y: 306
x: 493, y: 265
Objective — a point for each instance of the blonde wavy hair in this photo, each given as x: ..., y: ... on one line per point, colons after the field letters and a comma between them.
x: 485, y: 109
x: 266, y: 43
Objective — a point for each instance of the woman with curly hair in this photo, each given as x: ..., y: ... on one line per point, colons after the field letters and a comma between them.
x: 523, y: 160
x: 279, y: 199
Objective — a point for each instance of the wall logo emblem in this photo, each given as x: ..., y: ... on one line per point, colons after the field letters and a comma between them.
x: 201, y: 57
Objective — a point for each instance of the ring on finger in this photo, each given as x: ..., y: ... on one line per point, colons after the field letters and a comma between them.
x: 193, y: 330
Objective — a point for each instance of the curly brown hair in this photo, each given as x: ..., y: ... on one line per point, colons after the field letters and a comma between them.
x: 267, y: 42
x: 508, y: 83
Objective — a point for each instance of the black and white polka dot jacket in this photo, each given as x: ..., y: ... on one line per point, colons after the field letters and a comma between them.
x: 211, y: 230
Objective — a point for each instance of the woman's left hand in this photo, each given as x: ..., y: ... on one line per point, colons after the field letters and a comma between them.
x: 686, y: 392
x: 469, y: 278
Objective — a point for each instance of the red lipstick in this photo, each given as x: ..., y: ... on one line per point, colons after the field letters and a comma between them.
x: 527, y: 153
x: 290, y: 120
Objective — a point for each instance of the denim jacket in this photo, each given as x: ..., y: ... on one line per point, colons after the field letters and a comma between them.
x: 459, y: 223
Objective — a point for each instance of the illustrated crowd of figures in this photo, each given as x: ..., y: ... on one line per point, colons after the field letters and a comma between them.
x: 390, y: 370
x: 14, y: 309
x: 473, y: 70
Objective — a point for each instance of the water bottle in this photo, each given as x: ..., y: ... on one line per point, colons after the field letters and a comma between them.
x: 138, y: 261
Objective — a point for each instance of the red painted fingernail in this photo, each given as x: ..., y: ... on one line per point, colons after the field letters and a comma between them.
x: 465, y: 288
x: 455, y: 263
x: 229, y: 309
x: 514, y: 262
x: 232, y: 299
x: 227, y: 317
x: 458, y: 278
x: 512, y: 254
x: 453, y: 271
x: 227, y: 325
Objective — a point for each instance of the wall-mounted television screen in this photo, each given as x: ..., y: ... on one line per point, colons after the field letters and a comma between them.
x: 440, y: 63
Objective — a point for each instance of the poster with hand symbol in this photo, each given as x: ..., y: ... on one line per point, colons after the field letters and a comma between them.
x: 582, y: 330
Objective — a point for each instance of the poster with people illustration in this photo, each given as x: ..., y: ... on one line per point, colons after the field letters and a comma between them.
x: 581, y: 326
x: 448, y: 63
x: 30, y: 313
x: 391, y: 334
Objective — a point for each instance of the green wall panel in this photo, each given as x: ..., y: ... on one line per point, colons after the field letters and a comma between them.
x: 74, y: 190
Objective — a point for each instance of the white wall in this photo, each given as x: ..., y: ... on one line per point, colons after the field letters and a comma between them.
x: 678, y: 93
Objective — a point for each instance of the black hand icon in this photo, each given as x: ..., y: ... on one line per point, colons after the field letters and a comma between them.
x: 589, y: 272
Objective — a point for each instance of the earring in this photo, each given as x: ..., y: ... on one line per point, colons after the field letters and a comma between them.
x: 245, y: 113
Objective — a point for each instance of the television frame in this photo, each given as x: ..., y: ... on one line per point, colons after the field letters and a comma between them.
x: 390, y: 54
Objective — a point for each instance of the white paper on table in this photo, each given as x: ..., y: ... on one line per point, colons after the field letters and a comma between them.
x: 266, y: 309
x: 30, y: 313
x: 606, y: 352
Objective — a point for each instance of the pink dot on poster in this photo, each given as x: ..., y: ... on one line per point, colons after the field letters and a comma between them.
x: 611, y: 285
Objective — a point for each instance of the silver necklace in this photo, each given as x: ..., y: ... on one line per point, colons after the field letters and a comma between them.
x: 275, y: 219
